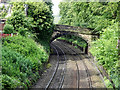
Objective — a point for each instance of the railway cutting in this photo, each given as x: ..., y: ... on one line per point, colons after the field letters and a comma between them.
x: 71, y: 68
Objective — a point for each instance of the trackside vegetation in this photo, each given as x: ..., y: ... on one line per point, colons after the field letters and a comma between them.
x: 22, y: 59
x: 25, y: 54
x: 106, y: 51
x: 75, y: 40
x: 102, y: 18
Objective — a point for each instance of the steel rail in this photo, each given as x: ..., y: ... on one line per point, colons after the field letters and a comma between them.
x: 56, y: 68
x: 62, y: 80
x: 91, y: 61
x: 76, y: 66
x: 87, y: 70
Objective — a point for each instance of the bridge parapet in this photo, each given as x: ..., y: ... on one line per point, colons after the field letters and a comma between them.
x: 86, y: 34
x: 74, y: 29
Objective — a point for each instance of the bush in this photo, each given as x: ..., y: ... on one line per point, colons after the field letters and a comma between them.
x: 20, y: 22
x: 106, y: 51
x: 43, y: 19
x: 21, y: 61
x: 16, y: 69
x: 8, y: 29
x: 9, y: 82
x: 27, y: 47
x: 41, y: 15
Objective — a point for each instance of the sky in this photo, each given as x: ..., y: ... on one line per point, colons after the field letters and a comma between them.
x: 55, y: 8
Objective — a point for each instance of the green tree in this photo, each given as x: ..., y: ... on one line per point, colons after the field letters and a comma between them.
x: 94, y: 15
x: 20, y: 22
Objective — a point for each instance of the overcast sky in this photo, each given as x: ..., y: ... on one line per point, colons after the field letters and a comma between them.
x: 55, y: 8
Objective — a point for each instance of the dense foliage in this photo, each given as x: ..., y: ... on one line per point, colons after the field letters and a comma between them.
x: 94, y: 15
x: 8, y: 29
x: 20, y: 22
x: 106, y: 51
x: 3, y: 11
x: 24, y: 46
x: 75, y: 40
x: 21, y: 61
x: 22, y: 57
x: 40, y: 18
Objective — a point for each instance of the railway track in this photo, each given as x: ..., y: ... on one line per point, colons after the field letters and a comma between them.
x: 71, y: 70
x: 57, y: 79
x: 68, y: 49
x: 87, y: 67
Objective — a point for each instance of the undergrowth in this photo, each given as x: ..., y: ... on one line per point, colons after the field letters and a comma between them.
x: 75, y: 40
x: 106, y: 51
x: 22, y: 60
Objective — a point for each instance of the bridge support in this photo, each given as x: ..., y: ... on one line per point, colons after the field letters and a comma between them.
x: 86, y: 34
x: 86, y: 49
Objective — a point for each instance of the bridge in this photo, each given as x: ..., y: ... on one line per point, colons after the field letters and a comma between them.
x: 86, y: 34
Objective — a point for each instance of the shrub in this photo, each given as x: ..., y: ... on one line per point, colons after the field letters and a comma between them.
x: 8, y: 29
x: 16, y: 69
x: 20, y: 22
x: 43, y: 19
x: 106, y: 51
x: 41, y: 15
x: 9, y: 82
x: 21, y: 61
x: 27, y: 47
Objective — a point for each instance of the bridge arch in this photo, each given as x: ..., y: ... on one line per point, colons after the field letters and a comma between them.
x: 65, y: 34
x: 62, y: 30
